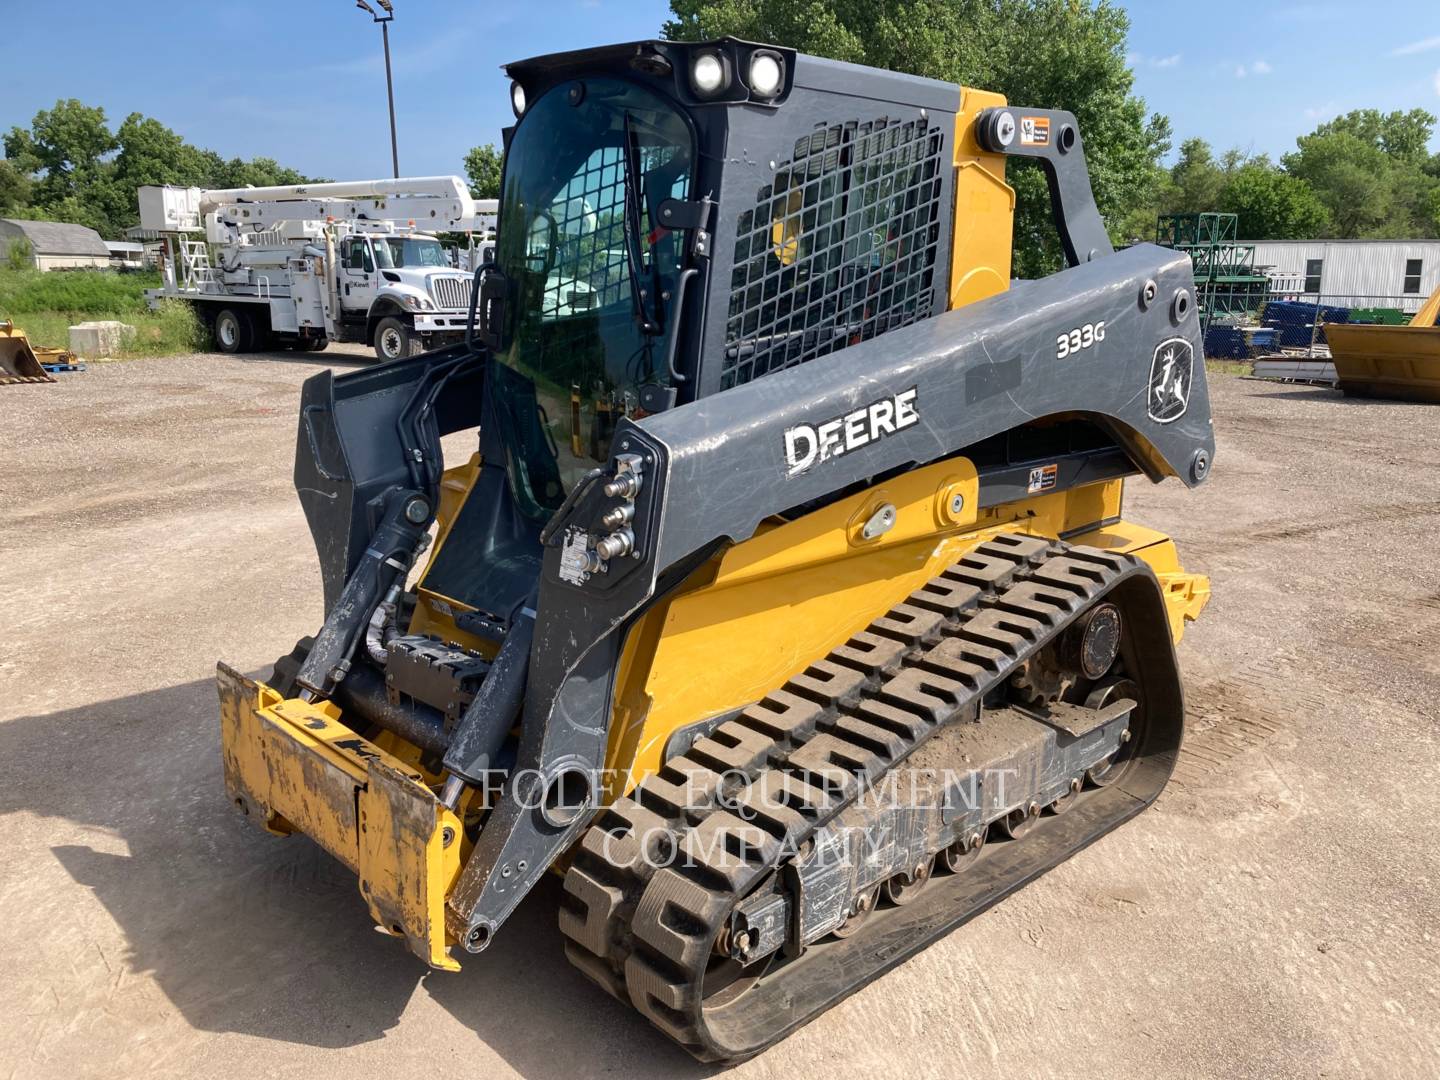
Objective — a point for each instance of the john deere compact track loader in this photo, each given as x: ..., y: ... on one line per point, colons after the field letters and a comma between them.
x: 778, y: 594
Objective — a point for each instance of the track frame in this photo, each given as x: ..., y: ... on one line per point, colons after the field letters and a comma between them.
x: 645, y: 932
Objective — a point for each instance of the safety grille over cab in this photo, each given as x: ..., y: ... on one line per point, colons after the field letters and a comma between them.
x: 589, y: 260
x: 589, y: 268
x: 841, y: 246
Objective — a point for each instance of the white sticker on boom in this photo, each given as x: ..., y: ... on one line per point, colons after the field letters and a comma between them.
x: 807, y: 444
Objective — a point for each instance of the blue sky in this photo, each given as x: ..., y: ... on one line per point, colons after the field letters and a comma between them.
x: 1255, y: 75
x: 303, y: 81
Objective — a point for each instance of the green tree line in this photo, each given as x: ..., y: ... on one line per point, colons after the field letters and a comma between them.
x: 1364, y: 174
x: 68, y: 165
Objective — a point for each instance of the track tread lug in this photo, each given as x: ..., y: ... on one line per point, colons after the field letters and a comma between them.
x: 784, y: 716
x: 881, y: 740
x: 836, y: 764
x: 681, y: 788
x: 727, y: 848
x: 934, y: 696
x: 731, y: 747
x: 946, y: 596
x: 1019, y: 546
x: 910, y: 624
x: 870, y: 653
x: 792, y: 792
x: 892, y: 718
x: 986, y: 572
x: 828, y: 683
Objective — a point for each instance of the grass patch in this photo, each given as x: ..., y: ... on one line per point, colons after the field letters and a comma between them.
x: 1228, y: 367
x: 83, y: 292
x: 46, y: 305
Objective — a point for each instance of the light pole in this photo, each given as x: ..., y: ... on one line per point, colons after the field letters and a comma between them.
x: 384, y: 21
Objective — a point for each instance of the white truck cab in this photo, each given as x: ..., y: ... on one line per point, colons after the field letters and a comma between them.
x: 404, y: 290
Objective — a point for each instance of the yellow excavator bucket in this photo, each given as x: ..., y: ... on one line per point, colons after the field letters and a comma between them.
x: 1389, y: 361
x: 18, y: 362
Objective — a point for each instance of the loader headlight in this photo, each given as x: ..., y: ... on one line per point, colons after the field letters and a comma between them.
x: 517, y: 99
x: 767, y: 73
x: 707, y: 74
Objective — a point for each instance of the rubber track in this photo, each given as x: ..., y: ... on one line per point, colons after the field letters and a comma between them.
x: 645, y: 934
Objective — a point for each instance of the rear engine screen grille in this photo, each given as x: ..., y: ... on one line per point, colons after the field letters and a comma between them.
x: 841, y: 246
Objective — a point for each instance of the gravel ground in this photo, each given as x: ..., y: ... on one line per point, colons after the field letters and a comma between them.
x: 1273, y: 915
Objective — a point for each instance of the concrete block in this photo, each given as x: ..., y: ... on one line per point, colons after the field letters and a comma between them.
x: 104, y: 337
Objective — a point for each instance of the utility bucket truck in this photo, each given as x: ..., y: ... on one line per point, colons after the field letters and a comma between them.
x: 305, y: 265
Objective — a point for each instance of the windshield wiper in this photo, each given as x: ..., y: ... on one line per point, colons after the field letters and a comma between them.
x: 630, y: 173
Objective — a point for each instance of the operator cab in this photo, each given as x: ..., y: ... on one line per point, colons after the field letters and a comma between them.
x: 677, y: 219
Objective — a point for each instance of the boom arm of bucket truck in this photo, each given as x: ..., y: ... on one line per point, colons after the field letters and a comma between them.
x: 431, y: 203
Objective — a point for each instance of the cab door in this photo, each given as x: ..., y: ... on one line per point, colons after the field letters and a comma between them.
x: 358, y: 284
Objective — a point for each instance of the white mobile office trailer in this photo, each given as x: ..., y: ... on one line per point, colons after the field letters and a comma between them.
x: 1363, y: 273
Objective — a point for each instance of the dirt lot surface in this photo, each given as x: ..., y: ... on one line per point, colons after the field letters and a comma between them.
x: 1273, y: 915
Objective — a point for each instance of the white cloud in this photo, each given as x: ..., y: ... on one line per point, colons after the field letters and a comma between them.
x: 1323, y: 112
x: 1423, y: 45
x: 1135, y: 60
x: 1260, y: 67
x: 1240, y: 71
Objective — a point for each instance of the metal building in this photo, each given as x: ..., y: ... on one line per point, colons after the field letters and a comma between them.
x: 56, y: 245
x: 1352, y: 273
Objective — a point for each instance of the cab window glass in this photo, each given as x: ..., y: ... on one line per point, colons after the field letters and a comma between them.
x: 588, y: 329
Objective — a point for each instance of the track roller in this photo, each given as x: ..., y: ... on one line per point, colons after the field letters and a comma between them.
x: 963, y: 852
x: 1021, y: 820
x: 1064, y: 802
x: 903, y: 888
x: 860, y: 910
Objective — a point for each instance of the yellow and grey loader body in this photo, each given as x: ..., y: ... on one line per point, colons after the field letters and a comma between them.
x: 786, y: 567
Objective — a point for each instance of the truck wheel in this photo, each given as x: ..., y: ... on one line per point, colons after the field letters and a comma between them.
x: 234, y: 332
x: 393, y: 339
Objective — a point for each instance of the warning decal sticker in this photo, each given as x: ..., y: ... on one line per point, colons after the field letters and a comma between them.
x: 1043, y: 478
x: 1034, y: 131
